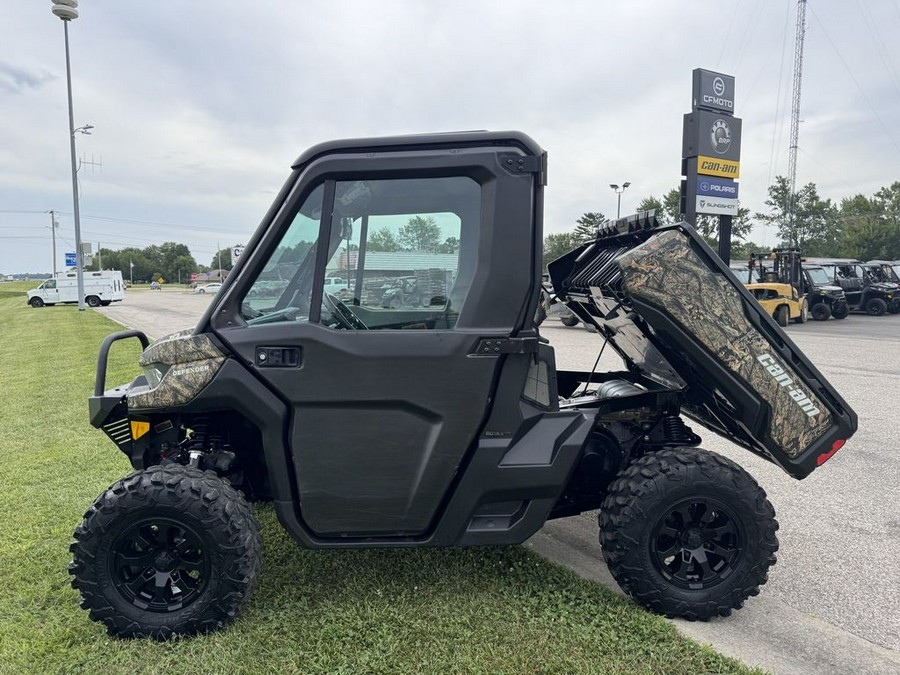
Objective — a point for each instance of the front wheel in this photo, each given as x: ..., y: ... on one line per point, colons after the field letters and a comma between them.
x: 569, y: 320
x: 36, y: 302
x: 782, y: 315
x: 688, y: 533
x: 804, y: 313
x: 171, y: 550
x: 821, y: 311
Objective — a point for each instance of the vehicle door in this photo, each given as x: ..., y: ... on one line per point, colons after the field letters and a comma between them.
x: 49, y: 292
x: 386, y: 402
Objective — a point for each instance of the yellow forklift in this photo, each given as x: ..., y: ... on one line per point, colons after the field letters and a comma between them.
x: 777, y: 285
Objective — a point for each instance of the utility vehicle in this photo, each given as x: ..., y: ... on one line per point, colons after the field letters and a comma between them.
x: 865, y: 286
x: 448, y: 424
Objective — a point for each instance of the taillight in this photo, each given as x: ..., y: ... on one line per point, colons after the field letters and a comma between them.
x: 825, y: 456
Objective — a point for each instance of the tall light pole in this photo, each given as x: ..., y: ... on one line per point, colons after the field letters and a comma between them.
x: 53, y: 225
x: 68, y: 10
x: 619, y: 191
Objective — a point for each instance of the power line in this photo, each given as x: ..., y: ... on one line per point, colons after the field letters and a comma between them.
x: 855, y: 81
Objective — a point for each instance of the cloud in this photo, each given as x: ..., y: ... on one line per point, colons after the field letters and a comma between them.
x: 15, y: 80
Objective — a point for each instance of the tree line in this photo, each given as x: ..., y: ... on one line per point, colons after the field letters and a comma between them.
x: 860, y: 227
x: 169, y: 261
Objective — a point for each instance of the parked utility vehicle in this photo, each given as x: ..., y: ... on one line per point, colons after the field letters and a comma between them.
x: 449, y: 424
x: 100, y: 288
x: 865, y: 286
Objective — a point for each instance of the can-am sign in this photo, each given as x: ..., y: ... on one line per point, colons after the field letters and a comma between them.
x: 713, y: 91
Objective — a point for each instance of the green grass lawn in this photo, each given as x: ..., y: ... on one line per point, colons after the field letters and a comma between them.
x: 494, y: 610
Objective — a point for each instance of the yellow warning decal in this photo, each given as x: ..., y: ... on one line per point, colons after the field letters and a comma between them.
x: 138, y: 429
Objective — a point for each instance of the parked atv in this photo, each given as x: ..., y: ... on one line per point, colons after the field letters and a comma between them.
x: 865, y: 287
x: 824, y: 298
x: 449, y: 425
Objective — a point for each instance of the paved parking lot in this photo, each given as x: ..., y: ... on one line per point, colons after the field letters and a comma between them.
x: 832, y: 603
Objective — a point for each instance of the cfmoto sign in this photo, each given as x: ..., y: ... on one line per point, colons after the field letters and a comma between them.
x: 713, y: 91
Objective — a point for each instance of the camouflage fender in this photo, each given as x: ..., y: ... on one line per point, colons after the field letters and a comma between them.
x: 192, y: 360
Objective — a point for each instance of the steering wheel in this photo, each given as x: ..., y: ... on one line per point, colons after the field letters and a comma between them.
x: 342, y: 313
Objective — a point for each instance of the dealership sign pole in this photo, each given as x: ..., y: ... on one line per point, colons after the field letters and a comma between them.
x: 711, y: 154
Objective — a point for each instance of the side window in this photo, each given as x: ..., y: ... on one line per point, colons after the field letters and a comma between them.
x: 283, y: 290
x: 50, y: 285
x: 404, y: 253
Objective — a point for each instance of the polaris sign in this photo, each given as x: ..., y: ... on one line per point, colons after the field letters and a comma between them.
x: 713, y: 91
x: 717, y: 187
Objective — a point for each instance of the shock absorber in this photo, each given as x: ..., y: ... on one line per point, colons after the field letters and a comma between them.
x: 677, y: 432
x: 198, y: 440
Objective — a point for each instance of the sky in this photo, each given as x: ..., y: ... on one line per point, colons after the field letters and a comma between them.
x: 199, y: 108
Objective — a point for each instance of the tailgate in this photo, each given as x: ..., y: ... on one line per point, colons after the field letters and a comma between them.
x: 673, y: 311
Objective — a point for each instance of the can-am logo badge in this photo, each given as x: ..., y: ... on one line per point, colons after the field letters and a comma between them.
x: 784, y: 380
x: 718, y: 86
x: 720, y: 136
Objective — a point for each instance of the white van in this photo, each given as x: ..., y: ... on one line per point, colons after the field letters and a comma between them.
x: 100, y: 288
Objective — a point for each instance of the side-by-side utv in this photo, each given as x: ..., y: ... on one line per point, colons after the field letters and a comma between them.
x: 447, y: 422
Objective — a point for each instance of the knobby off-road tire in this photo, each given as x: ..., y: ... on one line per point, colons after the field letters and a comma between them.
x: 841, y: 312
x: 171, y: 550
x: 821, y: 311
x: 876, y: 307
x: 688, y: 533
x: 569, y: 321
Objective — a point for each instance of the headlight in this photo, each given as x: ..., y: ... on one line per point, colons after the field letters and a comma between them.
x: 155, y: 373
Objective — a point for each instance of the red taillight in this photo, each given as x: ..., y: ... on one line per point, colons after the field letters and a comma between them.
x: 825, y: 456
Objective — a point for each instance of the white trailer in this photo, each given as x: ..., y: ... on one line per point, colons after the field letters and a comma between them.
x: 100, y: 288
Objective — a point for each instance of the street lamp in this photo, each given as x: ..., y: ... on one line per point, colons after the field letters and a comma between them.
x: 619, y: 191
x: 68, y: 10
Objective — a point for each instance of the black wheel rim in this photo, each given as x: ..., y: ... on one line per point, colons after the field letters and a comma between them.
x: 697, y: 544
x: 159, y: 565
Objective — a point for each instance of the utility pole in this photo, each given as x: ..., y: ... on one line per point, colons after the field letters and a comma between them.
x: 795, y: 115
x: 53, y: 226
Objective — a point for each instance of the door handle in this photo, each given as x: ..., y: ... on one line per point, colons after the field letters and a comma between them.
x: 278, y: 357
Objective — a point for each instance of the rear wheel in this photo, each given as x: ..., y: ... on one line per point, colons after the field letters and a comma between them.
x: 171, y: 550
x: 876, y: 306
x: 569, y: 321
x: 841, y: 311
x: 92, y: 301
x: 782, y: 315
x: 894, y: 307
x: 36, y: 302
x: 821, y: 311
x: 688, y: 533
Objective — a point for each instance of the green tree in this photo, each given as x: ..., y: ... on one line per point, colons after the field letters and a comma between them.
x: 221, y: 259
x: 450, y: 245
x: 383, y: 239
x: 586, y: 227
x: 815, y: 228
x: 420, y: 234
x: 557, y: 245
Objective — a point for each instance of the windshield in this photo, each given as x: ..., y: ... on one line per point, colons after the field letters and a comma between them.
x: 818, y: 276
